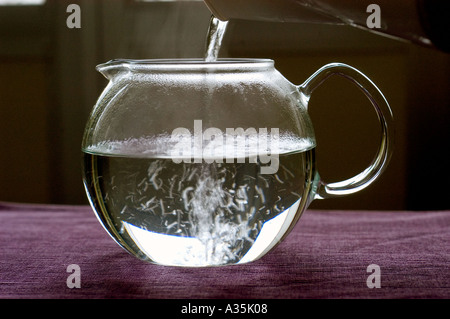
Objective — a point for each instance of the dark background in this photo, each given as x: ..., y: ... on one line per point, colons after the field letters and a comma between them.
x: 48, y: 85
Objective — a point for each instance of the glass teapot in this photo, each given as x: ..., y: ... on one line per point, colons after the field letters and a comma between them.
x: 194, y: 163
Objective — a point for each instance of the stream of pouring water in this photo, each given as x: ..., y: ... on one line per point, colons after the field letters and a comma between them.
x: 214, y: 38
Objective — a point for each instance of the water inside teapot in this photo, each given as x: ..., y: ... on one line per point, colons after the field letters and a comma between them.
x: 196, y: 214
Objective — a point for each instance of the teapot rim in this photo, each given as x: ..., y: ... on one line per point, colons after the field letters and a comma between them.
x: 186, y: 64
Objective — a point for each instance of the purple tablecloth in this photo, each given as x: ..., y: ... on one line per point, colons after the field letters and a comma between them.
x: 325, y: 256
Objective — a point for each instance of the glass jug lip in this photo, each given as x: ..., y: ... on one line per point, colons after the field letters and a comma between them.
x: 195, y: 64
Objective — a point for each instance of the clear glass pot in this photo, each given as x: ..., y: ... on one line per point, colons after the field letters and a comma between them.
x: 194, y: 163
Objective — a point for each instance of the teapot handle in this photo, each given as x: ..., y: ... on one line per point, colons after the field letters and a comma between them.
x: 384, y: 113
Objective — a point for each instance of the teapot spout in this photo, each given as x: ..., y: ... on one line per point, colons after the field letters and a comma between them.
x: 112, y: 68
